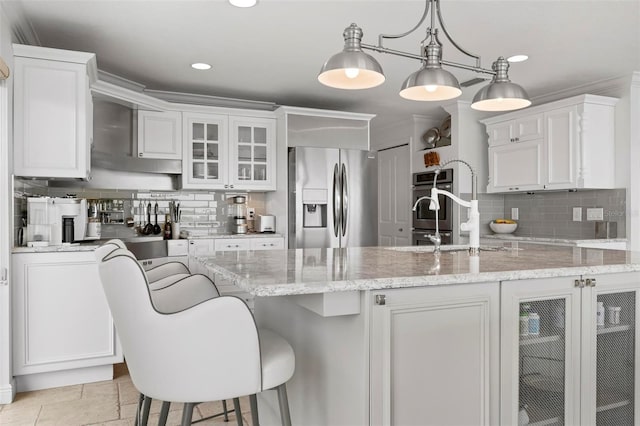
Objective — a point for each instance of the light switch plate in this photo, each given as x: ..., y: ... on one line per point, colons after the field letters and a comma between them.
x: 595, y: 214
x: 577, y: 214
x: 514, y: 213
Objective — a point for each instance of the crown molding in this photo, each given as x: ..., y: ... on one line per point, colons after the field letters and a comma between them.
x: 21, y: 27
x: 615, y: 86
x: 207, y: 100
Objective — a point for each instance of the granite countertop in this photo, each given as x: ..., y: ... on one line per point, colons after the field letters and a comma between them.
x: 92, y: 245
x: 306, y: 271
x: 248, y: 235
x: 56, y: 249
x: 568, y: 241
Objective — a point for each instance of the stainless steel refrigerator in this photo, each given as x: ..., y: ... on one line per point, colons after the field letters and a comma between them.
x: 333, y: 198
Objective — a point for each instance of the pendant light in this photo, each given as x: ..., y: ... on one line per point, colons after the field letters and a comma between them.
x: 354, y: 69
x: 351, y: 68
x: 501, y: 94
x: 431, y: 82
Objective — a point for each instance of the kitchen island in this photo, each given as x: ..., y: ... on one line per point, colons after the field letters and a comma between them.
x: 401, y: 336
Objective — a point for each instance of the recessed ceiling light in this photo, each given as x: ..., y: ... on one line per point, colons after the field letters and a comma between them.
x: 201, y: 66
x: 243, y: 3
x: 517, y: 58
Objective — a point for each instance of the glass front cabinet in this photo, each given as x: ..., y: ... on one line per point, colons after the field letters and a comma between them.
x: 252, y: 152
x: 569, y: 350
x: 228, y: 152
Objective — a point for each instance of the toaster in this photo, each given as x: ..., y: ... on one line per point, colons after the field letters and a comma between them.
x: 266, y: 223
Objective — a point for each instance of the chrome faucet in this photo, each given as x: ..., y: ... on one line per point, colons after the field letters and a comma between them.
x: 435, y: 238
x: 473, y: 224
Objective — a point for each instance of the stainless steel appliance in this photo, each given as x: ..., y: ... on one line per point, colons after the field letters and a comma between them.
x: 424, y: 220
x: 266, y: 223
x: 332, y: 198
x: 152, y: 253
x: 238, y: 215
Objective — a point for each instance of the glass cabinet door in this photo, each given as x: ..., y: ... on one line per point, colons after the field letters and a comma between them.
x: 205, y: 145
x: 252, y: 141
x: 540, y: 352
x: 541, y: 361
x: 615, y: 354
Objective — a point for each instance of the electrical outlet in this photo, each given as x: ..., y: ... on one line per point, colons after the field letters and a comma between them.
x: 595, y: 214
x: 577, y: 214
x: 251, y: 212
x: 514, y: 213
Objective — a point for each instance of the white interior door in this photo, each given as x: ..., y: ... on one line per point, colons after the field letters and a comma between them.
x: 394, y: 203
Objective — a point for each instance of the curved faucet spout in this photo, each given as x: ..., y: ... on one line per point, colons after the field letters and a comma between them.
x: 474, y: 180
x: 419, y: 200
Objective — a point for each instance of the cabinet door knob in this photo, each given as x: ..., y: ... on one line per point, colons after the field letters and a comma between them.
x: 140, y: 154
x: 399, y: 229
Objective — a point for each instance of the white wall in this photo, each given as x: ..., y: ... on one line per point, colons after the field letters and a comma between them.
x: 7, y: 385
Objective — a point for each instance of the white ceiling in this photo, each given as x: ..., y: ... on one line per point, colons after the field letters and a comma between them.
x: 273, y: 52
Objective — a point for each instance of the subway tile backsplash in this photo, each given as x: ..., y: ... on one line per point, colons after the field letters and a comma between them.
x: 202, y: 212
x: 551, y: 214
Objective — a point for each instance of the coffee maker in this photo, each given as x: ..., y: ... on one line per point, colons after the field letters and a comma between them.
x: 69, y: 220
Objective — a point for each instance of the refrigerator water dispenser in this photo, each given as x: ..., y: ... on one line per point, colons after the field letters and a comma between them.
x: 314, y: 211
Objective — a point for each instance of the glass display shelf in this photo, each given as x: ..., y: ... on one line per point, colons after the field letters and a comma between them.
x: 540, y: 338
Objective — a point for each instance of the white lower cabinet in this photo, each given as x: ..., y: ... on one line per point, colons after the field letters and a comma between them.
x: 434, y: 355
x: 61, y: 320
x: 574, y: 365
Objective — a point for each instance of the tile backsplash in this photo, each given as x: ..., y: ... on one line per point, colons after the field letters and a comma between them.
x: 551, y: 214
x: 202, y: 212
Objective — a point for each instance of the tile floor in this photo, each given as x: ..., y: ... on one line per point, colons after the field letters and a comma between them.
x: 110, y: 403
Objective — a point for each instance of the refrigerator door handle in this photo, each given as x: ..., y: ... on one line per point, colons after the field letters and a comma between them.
x: 345, y: 199
x: 337, y: 204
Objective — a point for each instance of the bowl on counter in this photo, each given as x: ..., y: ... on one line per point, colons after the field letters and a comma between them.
x: 503, y: 228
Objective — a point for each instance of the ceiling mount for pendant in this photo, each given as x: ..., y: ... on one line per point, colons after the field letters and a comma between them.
x: 354, y: 69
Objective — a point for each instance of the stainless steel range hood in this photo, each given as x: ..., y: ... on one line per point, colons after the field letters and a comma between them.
x: 115, y: 145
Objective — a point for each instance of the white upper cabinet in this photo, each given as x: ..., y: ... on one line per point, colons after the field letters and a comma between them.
x: 252, y: 152
x: 567, y: 144
x: 160, y: 134
x: 516, y: 167
x: 204, y: 154
x: 53, y: 112
x: 520, y: 130
x: 228, y: 152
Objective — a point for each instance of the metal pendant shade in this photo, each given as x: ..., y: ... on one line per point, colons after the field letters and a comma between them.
x: 501, y: 94
x: 430, y: 84
x: 351, y: 68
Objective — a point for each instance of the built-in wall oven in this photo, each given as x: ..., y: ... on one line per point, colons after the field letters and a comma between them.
x: 424, y: 219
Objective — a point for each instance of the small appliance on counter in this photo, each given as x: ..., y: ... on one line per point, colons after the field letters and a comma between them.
x: 56, y: 221
x: 266, y: 223
x: 94, y: 226
x: 238, y: 215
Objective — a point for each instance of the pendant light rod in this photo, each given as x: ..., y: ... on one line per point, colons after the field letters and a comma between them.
x: 446, y: 33
x: 381, y: 37
x: 381, y: 49
x: 434, y: 5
